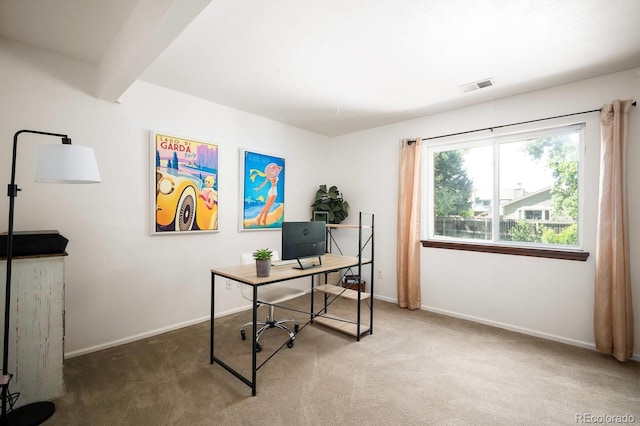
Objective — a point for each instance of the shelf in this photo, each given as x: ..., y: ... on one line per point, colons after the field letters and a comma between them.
x: 346, y: 291
x: 342, y: 292
x: 345, y: 327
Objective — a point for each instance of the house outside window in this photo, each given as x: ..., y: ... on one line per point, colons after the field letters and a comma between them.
x: 518, y: 189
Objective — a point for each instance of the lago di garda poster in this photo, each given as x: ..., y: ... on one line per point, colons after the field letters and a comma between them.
x: 185, y: 197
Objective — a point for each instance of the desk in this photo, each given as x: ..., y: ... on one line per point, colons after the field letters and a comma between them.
x: 246, y: 275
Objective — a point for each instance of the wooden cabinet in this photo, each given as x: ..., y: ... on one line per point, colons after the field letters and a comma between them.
x: 36, y: 336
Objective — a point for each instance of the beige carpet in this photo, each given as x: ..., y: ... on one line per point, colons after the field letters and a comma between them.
x: 417, y: 368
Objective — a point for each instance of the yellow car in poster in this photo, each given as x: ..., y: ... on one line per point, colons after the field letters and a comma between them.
x: 182, y: 206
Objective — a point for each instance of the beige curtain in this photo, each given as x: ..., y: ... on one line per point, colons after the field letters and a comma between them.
x: 409, y: 225
x: 613, y: 315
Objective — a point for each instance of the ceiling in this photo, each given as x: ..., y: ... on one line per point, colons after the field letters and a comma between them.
x: 334, y: 66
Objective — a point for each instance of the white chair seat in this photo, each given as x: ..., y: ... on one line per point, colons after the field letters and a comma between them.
x: 277, y: 293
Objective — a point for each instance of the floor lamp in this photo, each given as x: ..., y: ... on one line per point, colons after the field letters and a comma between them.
x: 60, y: 163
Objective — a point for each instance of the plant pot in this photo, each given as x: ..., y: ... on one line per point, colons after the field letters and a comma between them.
x: 263, y: 268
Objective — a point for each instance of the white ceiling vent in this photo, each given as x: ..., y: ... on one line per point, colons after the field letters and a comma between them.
x: 481, y: 84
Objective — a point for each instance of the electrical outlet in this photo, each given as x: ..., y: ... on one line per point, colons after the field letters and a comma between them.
x: 229, y: 285
x: 379, y: 274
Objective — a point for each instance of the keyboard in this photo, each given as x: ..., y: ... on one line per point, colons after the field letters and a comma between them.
x: 284, y: 262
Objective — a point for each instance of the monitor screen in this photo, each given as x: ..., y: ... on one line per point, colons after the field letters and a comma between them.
x: 303, y: 239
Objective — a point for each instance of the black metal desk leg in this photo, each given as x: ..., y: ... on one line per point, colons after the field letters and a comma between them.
x: 371, y: 305
x: 255, y: 341
x: 213, y: 299
x: 311, y: 310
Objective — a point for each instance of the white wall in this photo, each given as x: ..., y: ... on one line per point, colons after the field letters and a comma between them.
x: 122, y: 283
x: 543, y: 297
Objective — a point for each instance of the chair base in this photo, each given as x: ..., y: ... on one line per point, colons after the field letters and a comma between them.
x: 269, y: 323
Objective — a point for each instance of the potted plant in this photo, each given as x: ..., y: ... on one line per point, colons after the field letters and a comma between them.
x: 330, y: 202
x: 263, y: 262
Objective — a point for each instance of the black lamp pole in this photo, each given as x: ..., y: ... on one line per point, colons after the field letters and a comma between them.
x: 37, y: 412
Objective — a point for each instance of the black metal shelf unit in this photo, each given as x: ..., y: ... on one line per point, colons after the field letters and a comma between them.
x: 334, y: 291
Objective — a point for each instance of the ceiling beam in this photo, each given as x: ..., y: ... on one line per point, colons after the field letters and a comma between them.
x: 152, y: 26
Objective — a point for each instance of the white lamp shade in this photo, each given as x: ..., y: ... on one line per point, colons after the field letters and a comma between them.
x: 66, y: 163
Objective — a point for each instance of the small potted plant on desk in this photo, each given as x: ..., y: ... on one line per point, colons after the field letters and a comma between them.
x: 263, y: 262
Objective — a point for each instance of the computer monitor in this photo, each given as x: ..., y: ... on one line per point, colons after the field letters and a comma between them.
x: 301, y: 240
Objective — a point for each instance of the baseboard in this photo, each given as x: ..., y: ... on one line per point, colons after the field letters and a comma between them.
x: 156, y: 332
x: 522, y: 330
x: 148, y: 334
x: 385, y: 299
x: 547, y: 336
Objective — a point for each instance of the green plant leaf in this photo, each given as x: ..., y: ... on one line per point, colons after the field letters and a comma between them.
x: 262, y: 254
x: 332, y: 202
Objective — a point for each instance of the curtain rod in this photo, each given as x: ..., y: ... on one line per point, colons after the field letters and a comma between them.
x: 512, y: 124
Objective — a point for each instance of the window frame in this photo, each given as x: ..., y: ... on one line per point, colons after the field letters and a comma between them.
x: 494, y: 245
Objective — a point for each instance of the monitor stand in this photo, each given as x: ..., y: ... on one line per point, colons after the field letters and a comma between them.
x: 308, y: 265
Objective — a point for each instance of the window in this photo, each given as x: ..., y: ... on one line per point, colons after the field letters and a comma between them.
x: 533, y: 214
x: 516, y: 190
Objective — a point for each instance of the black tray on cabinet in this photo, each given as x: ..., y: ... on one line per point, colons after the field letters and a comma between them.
x: 34, y: 243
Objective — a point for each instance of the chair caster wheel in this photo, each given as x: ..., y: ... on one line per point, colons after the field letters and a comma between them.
x: 243, y: 335
x: 258, y: 347
x: 296, y: 327
x: 290, y: 344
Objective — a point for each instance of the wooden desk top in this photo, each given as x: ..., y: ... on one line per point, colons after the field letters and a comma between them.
x: 247, y: 273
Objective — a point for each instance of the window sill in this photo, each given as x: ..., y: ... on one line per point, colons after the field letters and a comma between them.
x: 513, y: 250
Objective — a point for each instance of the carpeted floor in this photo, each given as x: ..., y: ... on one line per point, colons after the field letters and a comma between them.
x: 417, y: 368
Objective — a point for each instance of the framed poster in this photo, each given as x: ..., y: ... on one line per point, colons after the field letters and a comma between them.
x: 262, y: 191
x: 184, y: 198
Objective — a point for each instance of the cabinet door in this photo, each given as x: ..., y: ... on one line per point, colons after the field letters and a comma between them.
x: 36, y: 331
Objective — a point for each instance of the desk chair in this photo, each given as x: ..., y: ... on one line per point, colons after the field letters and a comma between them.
x: 269, y: 294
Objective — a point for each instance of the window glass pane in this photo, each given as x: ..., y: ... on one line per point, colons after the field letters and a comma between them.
x: 463, y: 185
x: 520, y: 189
x: 538, y: 187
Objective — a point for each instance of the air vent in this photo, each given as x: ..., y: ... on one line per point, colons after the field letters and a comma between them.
x: 481, y: 84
